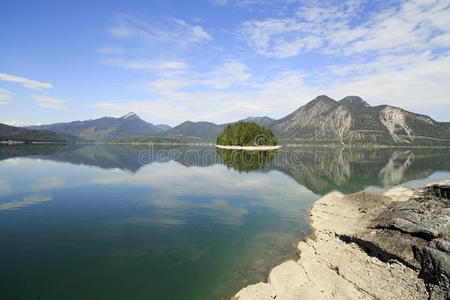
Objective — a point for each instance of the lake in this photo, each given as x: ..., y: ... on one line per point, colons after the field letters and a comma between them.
x: 153, y: 222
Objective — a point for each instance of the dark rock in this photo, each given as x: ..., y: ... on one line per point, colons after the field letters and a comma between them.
x: 422, y: 235
x: 435, y: 268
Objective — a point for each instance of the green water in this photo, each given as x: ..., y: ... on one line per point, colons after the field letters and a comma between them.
x: 114, y: 222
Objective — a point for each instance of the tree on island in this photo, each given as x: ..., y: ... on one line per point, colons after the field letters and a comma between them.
x: 246, y: 134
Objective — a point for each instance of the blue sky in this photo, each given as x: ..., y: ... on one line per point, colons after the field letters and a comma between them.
x: 218, y: 60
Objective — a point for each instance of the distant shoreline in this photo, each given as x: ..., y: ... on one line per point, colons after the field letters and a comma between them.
x: 288, y: 145
x: 249, y: 148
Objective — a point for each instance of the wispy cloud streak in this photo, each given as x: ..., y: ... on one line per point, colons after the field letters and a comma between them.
x: 25, y: 82
x: 49, y: 102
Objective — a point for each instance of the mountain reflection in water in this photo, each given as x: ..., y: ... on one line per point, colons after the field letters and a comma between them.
x: 321, y: 170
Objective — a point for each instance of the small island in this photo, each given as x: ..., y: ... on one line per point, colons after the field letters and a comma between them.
x: 246, y: 136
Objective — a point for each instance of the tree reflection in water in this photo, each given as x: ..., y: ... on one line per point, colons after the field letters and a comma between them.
x: 242, y: 160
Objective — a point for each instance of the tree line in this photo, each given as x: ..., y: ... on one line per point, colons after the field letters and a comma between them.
x: 246, y: 134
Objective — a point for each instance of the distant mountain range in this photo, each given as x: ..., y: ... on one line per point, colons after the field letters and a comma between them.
x: 17, y: 134
x: 132, y: 128
x: 106, y: 129
x: 195, y: 131
x: 321, y: 121
x: 207, y: 131
x: 163, y: 127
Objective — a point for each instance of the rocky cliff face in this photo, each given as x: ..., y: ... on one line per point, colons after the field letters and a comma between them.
x: 353, y: 121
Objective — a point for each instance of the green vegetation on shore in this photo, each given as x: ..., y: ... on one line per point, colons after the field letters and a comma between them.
x: 22, y: 135
x: 246, y: 134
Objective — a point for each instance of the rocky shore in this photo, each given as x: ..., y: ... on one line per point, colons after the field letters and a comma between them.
x: 369, y: 246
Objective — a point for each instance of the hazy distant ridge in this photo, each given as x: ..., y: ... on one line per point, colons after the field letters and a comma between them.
x: 105, y: 129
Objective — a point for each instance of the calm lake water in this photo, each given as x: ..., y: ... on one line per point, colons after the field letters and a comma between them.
x: 116, y: 222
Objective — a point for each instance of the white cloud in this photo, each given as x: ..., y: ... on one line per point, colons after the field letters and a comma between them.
x: 27, y: 83
x: 5, y: 95
x: 228, y: 74
x: 279, y: 94
x: 442, y: 40
x: 49, y: 102
x: 49, y: 183
x: 5, y: 188
x: 26, y: 201
x: 165, y: 111
x: 163, y: 30
x: 412, y: 85
x: 397, y: 56
x: 335, y: 28
x: 275, y: 96
x: 146, y: 64
x: 382, y: 63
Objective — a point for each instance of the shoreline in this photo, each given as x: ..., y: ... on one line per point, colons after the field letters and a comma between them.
x: 288, y: 145
x: 249, y: 148
x: 369, y: 246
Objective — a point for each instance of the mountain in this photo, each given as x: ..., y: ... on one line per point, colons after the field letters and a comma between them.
x: 164, y: 127
x: 353, y: 121
x: 105, y: 129
x: 261, y: 121
x: 323, y: 120
x: 206, y: 131
x: 195, y: 131
x: 12, y: 133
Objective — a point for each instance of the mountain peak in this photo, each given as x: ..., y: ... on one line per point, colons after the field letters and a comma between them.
x: 130, y: 115
x: 355, y: 100
x: 163, y: 127
x: 256, y: 118
x: 323, y: 97
x: 261, y: 121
